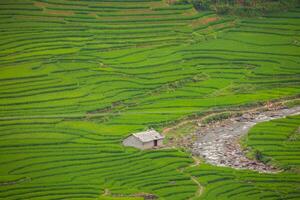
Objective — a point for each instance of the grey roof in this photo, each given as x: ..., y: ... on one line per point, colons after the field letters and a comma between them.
x: 149, y: 135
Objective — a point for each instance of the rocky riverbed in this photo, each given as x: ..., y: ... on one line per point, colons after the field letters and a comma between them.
x: 218, y: 143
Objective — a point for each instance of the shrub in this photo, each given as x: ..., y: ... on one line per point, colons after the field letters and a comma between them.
x: 217, y: 117
x: 241, y: 7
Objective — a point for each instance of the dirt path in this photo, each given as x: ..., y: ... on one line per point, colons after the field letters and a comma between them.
x: 106, y: 192
x: 200, y: 188
x: 218, y: 143
x: 196, y: 161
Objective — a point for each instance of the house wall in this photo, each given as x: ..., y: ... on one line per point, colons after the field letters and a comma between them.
x: 133, y: 142
x: 150, y: 145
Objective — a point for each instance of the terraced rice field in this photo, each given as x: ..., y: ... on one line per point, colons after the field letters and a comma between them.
x: 77, y: 76
x: 277, y: 140
x: 227, y: 184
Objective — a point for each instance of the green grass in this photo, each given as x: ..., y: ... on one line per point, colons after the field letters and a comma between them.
x: 293, y: 103
x: 224, y: 183
x: 121, y: 198
x: 278, y: 142
x: 77, y: 77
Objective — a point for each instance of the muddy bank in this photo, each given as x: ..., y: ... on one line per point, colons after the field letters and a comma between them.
x: 218, y: 143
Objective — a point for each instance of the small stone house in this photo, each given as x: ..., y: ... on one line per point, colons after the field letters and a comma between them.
x: 144, y: 140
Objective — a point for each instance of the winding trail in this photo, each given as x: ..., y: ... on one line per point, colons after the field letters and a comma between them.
x: 218, y: 143
x: 195, y: 180
x: 200, y: 188
x: 196, y: 161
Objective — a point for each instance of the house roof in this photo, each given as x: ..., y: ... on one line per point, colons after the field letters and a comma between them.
x: 149, y: 135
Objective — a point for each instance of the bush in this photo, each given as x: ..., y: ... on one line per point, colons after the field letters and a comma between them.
x: 241, y: 7
x: 217, y: 117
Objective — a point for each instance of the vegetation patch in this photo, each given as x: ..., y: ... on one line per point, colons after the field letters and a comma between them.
x: 78, y: 76
x: 276, y: 142
x: 225, y: 184
x: 241, y: 7
x: 218, y: 117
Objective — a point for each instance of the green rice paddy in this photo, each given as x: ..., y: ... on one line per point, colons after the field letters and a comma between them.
x: 228, y: 184
x: 278, y: 140
x: 77, y: 76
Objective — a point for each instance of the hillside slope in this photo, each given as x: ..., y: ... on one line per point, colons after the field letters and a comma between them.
x: 77, y: 76
x: 272, y: 140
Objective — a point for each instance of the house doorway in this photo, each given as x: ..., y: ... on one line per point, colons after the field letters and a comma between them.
x: 155, y: 143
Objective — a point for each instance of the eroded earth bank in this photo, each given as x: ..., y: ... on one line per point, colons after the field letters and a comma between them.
x: 218, y: 143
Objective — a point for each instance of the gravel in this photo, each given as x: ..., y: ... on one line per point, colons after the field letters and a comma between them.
x: 218, y: 143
